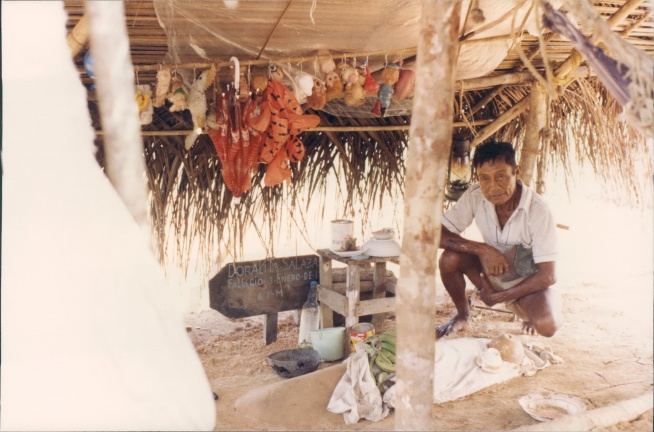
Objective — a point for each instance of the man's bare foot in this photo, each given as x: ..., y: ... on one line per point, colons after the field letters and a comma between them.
x: 452, y: 326
x: 528, y: 329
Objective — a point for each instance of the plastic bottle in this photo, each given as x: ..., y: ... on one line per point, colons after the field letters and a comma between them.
x: 310, y: 316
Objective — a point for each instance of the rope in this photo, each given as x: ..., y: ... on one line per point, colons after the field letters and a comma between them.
x: 313, y: 8
x: 576, y: 59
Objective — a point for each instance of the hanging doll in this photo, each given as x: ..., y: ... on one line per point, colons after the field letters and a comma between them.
x: 318, y: 97
x: 144, y: 102
x: 390, y: 75
x: 354, y: 94
x: 404, y: 85
x: 178, y: 94
x: 370, y: 84
x: 333, y: 85
x: 163, y: 85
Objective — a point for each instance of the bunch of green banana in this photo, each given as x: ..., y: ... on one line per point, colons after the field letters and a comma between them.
x: 381, y: 353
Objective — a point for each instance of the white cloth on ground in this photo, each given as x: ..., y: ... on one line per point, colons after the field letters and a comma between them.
x: 356, y: 395
x: 456, y: 375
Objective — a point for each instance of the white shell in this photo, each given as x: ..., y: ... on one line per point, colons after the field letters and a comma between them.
x: 490, y: 361
x: 549, y: 405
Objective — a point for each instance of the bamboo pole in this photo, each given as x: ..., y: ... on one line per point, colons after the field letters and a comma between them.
x: 536, y: 120
x: 503, y: 119
x: 78, y: 36
x: 431, y: 138
x: 597, y: 419
x: 118, y: 111
x: 340, y: 129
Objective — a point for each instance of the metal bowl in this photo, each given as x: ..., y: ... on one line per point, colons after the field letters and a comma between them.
x: 291, y: 363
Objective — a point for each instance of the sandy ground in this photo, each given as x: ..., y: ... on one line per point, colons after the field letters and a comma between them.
x: 606, y: 343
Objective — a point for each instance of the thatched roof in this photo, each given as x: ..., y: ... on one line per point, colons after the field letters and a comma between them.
x: 365, y: 155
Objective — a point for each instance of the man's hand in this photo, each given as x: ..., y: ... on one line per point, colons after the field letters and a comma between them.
x: 487, y: 294
x: 493, y: 261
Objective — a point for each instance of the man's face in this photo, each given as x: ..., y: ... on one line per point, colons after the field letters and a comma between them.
x: 497, y: 180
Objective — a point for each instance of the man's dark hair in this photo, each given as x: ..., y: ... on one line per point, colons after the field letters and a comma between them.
x: 494, y: 151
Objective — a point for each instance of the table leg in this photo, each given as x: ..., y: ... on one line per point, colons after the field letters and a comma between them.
x: 326, y: 314
x: 352, y: 288
x: 379, y: 291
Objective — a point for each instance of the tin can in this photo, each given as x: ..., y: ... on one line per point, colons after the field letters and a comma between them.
x: 341, y: 228
x: 359, y: 332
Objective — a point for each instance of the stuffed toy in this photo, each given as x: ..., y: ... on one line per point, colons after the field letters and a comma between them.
x: 404, y: 85
x: 348, y: 73
x: 354, y: 94
x: 318, y: 97
x: 389, y: 76
x: 178, y: 94
x: 163, y: 85
x: 334, y: 86
x: 144, y: 102
x: 197, y: 104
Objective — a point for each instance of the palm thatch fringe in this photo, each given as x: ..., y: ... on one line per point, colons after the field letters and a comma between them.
x: 195, y: 217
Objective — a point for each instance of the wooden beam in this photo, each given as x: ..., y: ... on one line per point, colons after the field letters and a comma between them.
x: 267, y: 61
x: 503, y: 119
x: 429, y: 151
x: 340, y: 129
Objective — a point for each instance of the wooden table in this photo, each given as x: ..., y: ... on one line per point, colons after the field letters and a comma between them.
x: 349, y: 305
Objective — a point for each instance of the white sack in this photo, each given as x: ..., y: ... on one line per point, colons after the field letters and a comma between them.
x: 91, y: 339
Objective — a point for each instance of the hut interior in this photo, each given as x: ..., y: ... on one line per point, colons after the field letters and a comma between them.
x: 503, y: 52
x: 71, y: 324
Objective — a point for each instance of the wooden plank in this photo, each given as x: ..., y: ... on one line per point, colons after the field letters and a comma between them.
x: 260, y: 287
x: 376, y: 307
x: 326, y: 314
x: 270, y: 328
x: 365, y: 286
x: 333, y: 301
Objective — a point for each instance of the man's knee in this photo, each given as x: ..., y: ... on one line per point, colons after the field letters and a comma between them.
x: 547, y: 325
x: 449, y: 262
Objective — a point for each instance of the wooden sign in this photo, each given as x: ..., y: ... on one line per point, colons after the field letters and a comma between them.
x: 263, y: 287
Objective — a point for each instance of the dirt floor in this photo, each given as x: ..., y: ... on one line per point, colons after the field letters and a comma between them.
x: 606, y: 343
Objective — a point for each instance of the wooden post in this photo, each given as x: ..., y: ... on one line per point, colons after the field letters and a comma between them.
x: 536, y: 119
x: 270, y: 328
x: 114, y: 79
x: 503, y: 119
x: 429, y: 150
x: 379, y: 291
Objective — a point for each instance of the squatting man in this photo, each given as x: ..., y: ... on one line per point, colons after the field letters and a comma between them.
x: 515, y: 264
